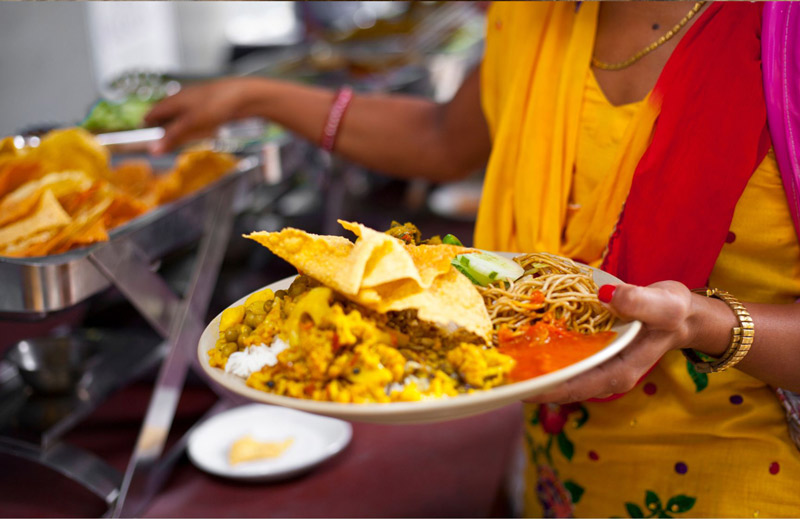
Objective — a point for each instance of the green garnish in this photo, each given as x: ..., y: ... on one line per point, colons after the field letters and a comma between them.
x: 449, y: 239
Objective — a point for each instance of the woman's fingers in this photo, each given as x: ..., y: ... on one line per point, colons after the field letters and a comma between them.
x: 193, y: 113
x: 664, y: 309
x: 171, y: 114
x: 164, y: 110
x: 174, y: 134
x: 661, y: 306
x: 195, y: 124
x: 618, y: 375
x: 591, y: 384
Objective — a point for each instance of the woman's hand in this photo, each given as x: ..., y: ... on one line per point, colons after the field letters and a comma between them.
x: 198, y: 110
x: 669, y: 317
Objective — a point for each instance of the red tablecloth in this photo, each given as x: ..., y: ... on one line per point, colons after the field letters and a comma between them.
x: 450, y: 469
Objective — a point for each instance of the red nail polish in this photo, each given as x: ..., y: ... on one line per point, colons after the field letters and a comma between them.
x: 606, y: 292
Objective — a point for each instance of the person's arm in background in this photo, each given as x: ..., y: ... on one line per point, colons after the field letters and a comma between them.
x: 398, y: 135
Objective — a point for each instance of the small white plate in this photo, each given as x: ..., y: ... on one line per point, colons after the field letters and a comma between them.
x: 315, y: 439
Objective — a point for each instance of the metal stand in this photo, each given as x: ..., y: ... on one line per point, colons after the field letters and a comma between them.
x: 38, y: 287
x: 34, y: 424
x: 77, y: 464
x: 180, y: 321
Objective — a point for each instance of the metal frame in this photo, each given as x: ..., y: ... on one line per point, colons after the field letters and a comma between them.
x: 181, y: 322
x: 77, y: 464
x: 36, y: 286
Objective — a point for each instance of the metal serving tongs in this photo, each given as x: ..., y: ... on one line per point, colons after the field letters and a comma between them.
x: 130, y: 140
x: 234, y: 137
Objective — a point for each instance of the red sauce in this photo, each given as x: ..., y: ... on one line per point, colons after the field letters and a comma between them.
x: 537, y: 297
x: 544, y: 347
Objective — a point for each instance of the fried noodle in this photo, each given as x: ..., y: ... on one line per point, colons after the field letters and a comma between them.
x: 552, y: 288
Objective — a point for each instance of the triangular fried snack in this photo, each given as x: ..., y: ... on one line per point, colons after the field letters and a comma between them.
x: 48, y: 215
x: 22, y: 200
x: 382, y: 274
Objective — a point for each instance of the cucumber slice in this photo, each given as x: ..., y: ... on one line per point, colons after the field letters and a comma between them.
x: 485, y: 267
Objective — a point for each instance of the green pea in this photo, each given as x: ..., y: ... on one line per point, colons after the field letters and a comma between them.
x: 256, y: 308
x: 254, y: 320
x: 245, y: 330
x: 231, y: 334
x: 298, y: 286
x: 268, y: 305
x: 280, y: 294
x: 230, y: 347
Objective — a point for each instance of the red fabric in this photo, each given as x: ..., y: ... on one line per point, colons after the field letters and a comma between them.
x: 709, y: 138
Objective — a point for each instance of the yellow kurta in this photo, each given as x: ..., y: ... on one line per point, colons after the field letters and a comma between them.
x: 680, y: 444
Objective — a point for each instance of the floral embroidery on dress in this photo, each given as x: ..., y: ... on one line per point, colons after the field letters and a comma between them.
x: 791, y: 404
x: 675, y: 505
x: 556, y: 497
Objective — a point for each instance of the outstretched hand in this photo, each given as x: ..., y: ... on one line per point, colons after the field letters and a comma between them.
x: 197, y: 111
x: 665, y: 310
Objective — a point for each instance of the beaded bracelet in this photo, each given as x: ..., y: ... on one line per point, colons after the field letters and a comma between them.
x: 338, y: 108
x: 741, y: 336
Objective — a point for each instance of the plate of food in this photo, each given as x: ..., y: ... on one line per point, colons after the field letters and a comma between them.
x: 259, y: 442
x: 391, y: 330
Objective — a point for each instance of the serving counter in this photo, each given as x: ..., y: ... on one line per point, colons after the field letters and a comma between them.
x: 448, y: 469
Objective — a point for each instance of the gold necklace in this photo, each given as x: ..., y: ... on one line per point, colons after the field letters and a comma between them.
x: 653, y: 46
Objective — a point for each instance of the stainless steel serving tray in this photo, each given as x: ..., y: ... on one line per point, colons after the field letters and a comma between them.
x: 32, y: 287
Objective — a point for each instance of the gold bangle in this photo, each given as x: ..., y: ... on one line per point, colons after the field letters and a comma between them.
x: 741, y: 336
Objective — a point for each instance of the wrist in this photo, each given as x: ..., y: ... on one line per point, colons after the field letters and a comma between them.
x: 254, y: 97
x: 711, y: 323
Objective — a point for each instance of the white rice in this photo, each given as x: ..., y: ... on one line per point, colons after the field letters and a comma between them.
x: 252, y: 359
x: 423, y: 384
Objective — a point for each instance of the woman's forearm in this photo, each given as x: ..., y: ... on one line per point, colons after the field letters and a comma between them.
x: 399, y: 135
x: 775, y: 354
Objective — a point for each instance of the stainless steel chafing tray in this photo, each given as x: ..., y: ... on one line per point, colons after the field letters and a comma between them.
x: 31, y: 287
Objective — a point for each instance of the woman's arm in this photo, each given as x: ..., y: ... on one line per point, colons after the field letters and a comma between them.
x: 675, y: 318
x: 775, y: 354
x: 398, y: 135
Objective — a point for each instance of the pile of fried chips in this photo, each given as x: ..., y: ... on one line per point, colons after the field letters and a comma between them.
x: 382, y: 274
x: 64, y: 194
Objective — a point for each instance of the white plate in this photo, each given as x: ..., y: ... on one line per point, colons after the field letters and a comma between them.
x: 426, y: 410
x: 315, y: 439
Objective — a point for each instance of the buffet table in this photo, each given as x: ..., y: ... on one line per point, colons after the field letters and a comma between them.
x: 453, y: 468
x: 450, y: 469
